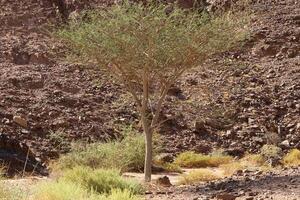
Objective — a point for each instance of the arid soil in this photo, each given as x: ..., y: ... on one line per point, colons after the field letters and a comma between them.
x: 238, y: 101
x: 247, y: 185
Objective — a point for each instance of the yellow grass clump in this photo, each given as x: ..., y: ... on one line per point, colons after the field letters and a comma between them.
x: 198, y: 175
x: 292, y: 158
x: 191, y: 159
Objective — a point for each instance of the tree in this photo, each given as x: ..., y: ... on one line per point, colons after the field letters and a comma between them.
x: 147, y: 48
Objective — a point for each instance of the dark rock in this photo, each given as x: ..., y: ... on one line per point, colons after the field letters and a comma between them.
x: 164, y: 181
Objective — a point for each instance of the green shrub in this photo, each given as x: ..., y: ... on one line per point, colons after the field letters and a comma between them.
x: 192, y: 160
x: 60, y: 190
x: 101, y: 180
x: 65, y: 190
x: 292, y: 158
x: 126, y: 154
x: 121, y: 195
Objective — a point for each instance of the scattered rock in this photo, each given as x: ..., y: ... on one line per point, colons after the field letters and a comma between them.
x: 164, y: 181
x: 21, y: 121
x: 226, y: 196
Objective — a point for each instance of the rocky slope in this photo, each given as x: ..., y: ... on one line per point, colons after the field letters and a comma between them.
x: 238, y: 101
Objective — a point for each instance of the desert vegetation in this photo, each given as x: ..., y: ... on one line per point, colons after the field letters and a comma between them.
x: 131, y: 100
x: 147, y: 50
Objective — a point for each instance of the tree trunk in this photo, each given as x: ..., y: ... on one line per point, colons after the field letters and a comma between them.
x: 148, y: 155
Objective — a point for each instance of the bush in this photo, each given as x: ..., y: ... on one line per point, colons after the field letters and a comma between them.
x: 198, y: 175
x: 60, y: 190
x: 192, y: 160
x: 127, y: 154
x: 100, y: 180
x: 86, y: 184
x: 292, y: 158
x: 270, y: 152
x: 121, y: 195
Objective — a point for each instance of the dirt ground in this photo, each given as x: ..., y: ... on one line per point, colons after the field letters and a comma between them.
x: 277, y: 185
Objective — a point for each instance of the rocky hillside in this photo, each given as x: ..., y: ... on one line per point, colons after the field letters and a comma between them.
x: 238, y: 101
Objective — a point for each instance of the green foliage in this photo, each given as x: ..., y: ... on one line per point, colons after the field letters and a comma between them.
x: 192, y: 160
x: 121, y: 195
x: 60, y: 190
x: 83, y: 183
x: 292, y: 158
x: 100, y: 180
x: 129, y: 38
x: 126, y: 154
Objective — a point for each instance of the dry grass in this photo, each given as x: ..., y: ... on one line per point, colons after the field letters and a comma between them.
x: 8, y: 193
x: 292, y: 158
x: 171, y: 167
x: 193, y: 160
x: 198, y: 175
x: 230, y: 168
x: 250, y: 161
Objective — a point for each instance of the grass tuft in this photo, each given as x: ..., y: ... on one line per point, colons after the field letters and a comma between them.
x: 250, y: 161
x: 126, y: 154
x: 198, y: 175
x: 9, y: 193
x: 193, y: 160
x: 101, y: 180
x: 292, y: 158
x: 60, y: 190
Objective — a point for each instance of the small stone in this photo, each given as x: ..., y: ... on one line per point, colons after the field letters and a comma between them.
x: 285, y: 144
x: 21, y: 121
x: 226, y: 196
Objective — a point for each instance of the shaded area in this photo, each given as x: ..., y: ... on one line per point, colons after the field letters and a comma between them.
x: 18, y: 158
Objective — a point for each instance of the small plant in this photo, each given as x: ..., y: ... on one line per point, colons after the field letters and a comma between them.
x: 100, y: 180
x: 193, y: 160
x: 271, y: 154
x: 121, y: 195
x: 60, y: 190
x: 254, y: 160
x: 198, y: 175
x: 2, y: 171
x: 126, y: 154
x: 292, y: 158
x: 250, y: 161
x: 58, y: 138
x: 230, y: 168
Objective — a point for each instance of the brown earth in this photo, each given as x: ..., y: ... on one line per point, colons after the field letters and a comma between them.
x: 247, y: 185
x: 238, y: 101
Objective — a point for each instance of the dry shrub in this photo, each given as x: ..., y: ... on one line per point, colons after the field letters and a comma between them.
x: 198, y: 175
x: 292, y: 158
x: 191, y: 159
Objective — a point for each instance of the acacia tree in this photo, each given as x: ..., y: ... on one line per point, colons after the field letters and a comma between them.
x: 147, y: 48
